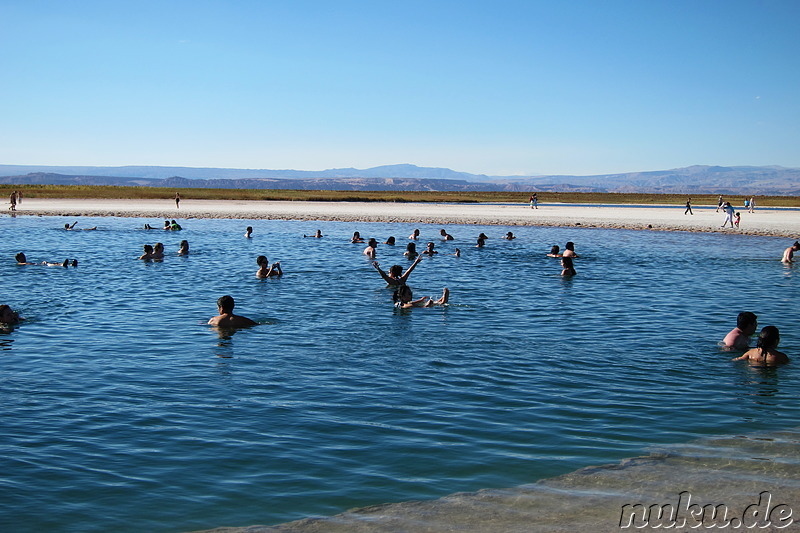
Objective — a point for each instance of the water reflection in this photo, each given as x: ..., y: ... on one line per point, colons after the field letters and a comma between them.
x: 224, y: 346
x: 5, y: 342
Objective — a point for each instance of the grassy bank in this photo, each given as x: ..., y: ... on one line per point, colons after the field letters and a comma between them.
x: 149, y: 193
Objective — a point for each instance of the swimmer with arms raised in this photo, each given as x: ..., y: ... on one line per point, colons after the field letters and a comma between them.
x: 765, y: 353
x: 226, y: 318
x: 396, y: 276
x: 404, y: 298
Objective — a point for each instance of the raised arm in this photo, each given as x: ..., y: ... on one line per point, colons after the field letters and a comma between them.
x: 382, y: 273
x: 405, y: 275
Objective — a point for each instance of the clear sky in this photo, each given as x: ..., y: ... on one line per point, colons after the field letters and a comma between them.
x: 495, y: 87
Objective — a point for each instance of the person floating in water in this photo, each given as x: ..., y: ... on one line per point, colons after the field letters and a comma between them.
x: 226, y: 318
x: 765, y: 353
x: 481, y: 242
x: 265, y: 270
x: 184, y: 249
x: 317, y: 235
x: 445, y: 236
x: 22, y: 260
x: 158, y: 252
x: 356, y: 238
x: 70, y: 226
x: 248, y: 233
x: 788, y: 254
x: 390, y: 241
x: 457, y: 253
x: 739, y: 337
x: 174, y: 226
x: 404, y: 298
x: 396, y: 276
x: 555, y: 251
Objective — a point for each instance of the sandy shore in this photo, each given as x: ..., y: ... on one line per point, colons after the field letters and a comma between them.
x: 773, y: 222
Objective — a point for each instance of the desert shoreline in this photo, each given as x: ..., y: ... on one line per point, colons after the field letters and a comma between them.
x: 776, y: 222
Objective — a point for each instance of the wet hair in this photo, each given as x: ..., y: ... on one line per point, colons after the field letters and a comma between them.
x: 74, y: 262
x: 7, y: 309
x: 431, y: 245
x: 262, y: 260
x: 66, y: 226
x: 250, y: 228
x: 570, y: 246
x: 566, y: 262
x: 390, y: 240
x: 158, y: 246
x: 373, y: 243
x: 356, y: 235
x: 396, y: 271
x: 226, y: 303
x: 796, y: 244
x: 745, y: 319
x: 768, y: 339
x: 405, y: 290
x: 148, y: 249
x: 20, y: 257
x: 411, y: 247
x: 555, y: 249
x: 481, y: 242
x: 184, y: 244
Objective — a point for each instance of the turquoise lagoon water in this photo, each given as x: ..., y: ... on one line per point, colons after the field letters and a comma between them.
x: 124, y: 411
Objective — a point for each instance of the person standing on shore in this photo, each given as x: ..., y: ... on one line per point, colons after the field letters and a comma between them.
x: 752, y: 204
x: 12, y: 199
x: 534, y: 201
x: 177, y: 200
x: 19, y: 197
x: 729, y: 212
x: 688, y: 206
x: 719, y: 203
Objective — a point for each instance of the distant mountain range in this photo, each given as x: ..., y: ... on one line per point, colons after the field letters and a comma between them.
x: 764, y: 180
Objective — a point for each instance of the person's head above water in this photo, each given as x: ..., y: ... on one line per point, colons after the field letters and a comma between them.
x: 747, y: 322
x: 261, y: 260
x: 20, y: 257
x: 396, y: 271
x: 411, y: 247
x: 148, y: 249
x: 8, y: 315
x: 769, y: 338
x: 555, y: 249
x: 570, y: 246
x: 226, y: 304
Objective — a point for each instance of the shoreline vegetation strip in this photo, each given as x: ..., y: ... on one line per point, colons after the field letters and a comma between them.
x: 151, y: 193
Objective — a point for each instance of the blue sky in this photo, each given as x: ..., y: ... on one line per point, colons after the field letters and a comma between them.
x: 496, y: 87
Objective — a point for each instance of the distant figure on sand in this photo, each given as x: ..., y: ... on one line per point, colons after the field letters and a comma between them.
x: 555, y: 251
x: 688, y: 206
x: 177, y: 200
x: 568, y: 269
x: 184, y: 249
x: 445, y: 236
x: 404, y: 298
x: 226, y: 318
x: 739, y: 337
x: 534, y: 201
x: 12, y: 200
x: 729, y: 213
x: 765, y: 353
x: 720, y: 203
x: 752, y: 206
x: 265, y: 270
x: 737, y: 218
x: 788, y: 254
x: 396, y: 276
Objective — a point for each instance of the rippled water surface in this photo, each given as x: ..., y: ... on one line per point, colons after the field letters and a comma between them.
x: 124, y: 411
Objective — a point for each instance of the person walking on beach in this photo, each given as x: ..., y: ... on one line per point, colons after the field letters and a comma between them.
x: 719, y: 203
x: 765, y: 353
x: 688, y: 206
x: 534, y: 201
x: 739, y: 337
x: 729, y: 212
x: 752, y: 204
x: 737, y: 218
x: 12, y: 199
x: 226, y: 318
x: 19, y: 197
x: 788, y: 254
x: 177, y: 200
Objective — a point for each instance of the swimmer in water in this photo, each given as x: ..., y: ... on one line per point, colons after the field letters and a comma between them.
x: 317, y: 235
x: 411, y: 251
x: 356, y: 238
x: 765, y: 353
x: 371, y: 249
x: 481, y: 243
x: 396, y: 276
x: 8, y: 316
x: 555, y: 251
x: 248, y: 233
x: 69, y: 227
x: 390, y: 241
x: 174, y: 226
x: 509, y: 236
x: 570, y: 250
x: 404, y: 298
x: 167, y: 225
x: 739, y: 337
x: 568, y: 268
x: 788, y: 254
x: 226, y: 318
x: 148, y: 253
x: 430, y: 250
x: 483, y: 236
x: 265, y: 270
x: 414, y: 236
x: 158, y: 251
x: 184, y: 249
x: 457, y: 252
x: 446, y: 236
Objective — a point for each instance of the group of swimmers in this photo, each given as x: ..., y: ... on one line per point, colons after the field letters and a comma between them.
x: 156, y: 251
x: 766, y: 351
x: 169, y: 225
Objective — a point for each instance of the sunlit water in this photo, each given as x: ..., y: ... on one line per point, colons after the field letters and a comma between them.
x: 124, y: 411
